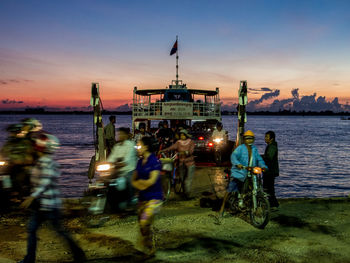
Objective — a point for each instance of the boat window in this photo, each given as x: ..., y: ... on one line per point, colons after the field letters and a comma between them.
x: 179, y: 96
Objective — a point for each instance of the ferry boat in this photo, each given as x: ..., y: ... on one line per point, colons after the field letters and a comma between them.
x: 197, y: 109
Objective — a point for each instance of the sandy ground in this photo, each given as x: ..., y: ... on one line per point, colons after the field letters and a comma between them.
x: 303, y: 230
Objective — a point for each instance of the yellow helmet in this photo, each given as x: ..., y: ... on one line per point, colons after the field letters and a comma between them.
x: 248, y: 133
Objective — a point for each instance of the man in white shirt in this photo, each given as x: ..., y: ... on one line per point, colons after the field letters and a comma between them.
x: 219, y: 132
x: 124, y: 154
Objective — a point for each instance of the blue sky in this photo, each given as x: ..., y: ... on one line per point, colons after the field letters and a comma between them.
x: 51, y: 51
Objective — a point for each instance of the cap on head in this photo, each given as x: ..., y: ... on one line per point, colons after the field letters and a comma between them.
x: 33, y: 123
x: 185, y: 132
x: 249, y: 133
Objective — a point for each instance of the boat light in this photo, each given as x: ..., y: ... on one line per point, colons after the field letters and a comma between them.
x: 210, y: 144
x: 2, y: 163
x: 201, y: 138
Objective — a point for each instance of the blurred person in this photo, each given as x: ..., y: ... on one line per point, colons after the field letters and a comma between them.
x: 271, y: 160
x: 44, y: 200
x: 147, y: 180
x: 184, y: 147
x: 124, y: 154
x: 142, y: 132
x: 245, y: 155
x: 31, y: 126
x: 21, y: 155
x: 10, y: 154
x: 109, y: 131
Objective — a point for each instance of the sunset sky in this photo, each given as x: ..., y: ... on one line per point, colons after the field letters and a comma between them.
x: 51, y: 51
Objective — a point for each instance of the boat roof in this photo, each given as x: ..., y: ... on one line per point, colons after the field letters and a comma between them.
x: 149, y: 92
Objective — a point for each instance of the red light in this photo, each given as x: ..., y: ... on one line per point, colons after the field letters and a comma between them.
x: 201, y: 138
x: 210, y: 144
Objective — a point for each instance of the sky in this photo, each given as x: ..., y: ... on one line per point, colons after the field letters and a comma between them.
x: 51, y: 51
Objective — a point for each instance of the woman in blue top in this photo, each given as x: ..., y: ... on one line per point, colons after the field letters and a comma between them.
x: 147, y: 180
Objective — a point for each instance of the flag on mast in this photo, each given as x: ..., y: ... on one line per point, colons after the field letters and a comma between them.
x: 174, y: 49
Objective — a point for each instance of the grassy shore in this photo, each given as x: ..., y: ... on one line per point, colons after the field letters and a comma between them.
x: 303, y: 230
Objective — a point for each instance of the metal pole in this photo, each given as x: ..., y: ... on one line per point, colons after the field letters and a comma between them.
x: 242, y: 115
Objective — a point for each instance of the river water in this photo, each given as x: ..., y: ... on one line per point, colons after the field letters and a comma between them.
x: 313, y: 150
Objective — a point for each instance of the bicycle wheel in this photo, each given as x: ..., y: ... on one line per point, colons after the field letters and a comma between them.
x: 261, y: 215
x: 232, y: 203
x: 166, y: 186
x: 179, y: 183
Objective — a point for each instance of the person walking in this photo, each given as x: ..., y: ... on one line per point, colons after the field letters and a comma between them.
x: 147, y: 180
x: 109, y: 131
x: 185, y: 148
x: 271, y: 159
x: 44, y: 200
x: 124, y: 156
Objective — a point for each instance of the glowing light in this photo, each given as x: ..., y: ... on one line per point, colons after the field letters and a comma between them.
x: 210, y: 144
x: 103, y: 167
x: 218, y: 140
x: 257, y: 170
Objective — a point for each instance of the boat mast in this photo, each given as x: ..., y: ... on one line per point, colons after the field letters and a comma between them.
x: 177, y: 64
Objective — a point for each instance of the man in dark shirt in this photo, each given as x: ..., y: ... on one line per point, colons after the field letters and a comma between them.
x: 271, y: 160
x: 110, y: 134
x: 165, y: 135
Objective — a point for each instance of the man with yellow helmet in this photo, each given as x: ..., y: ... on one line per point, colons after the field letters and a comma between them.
x: 245, y: 155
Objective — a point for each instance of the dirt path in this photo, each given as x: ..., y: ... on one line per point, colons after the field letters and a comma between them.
x: 303, y: 230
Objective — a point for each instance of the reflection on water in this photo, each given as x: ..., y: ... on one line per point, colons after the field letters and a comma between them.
x: 313, y: 152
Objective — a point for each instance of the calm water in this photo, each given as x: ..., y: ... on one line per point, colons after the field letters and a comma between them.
x: 313, y: 151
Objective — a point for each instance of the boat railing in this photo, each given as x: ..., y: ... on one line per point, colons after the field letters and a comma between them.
x: 160, y: 110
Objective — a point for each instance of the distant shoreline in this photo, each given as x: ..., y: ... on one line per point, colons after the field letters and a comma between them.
x: 224, y: 113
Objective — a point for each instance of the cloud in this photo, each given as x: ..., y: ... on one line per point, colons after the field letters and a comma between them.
x: 269, y: 95
x: 252, y: 105
x: 10, y: 81
x: 7, y: 101
x: 263, y: 89
x: 295, y: 94
x: 123, y: 108
x: 295, y: 103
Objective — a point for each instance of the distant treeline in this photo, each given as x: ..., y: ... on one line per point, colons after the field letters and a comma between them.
x: 105, y: 112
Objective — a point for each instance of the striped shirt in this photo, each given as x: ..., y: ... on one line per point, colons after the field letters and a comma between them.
x: 44, y: 181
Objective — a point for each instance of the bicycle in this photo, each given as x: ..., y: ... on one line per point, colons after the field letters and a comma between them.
x: 171, y: 178
x: 253, y: 199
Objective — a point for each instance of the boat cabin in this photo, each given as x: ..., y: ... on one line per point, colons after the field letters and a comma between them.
x: 174, y: 103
